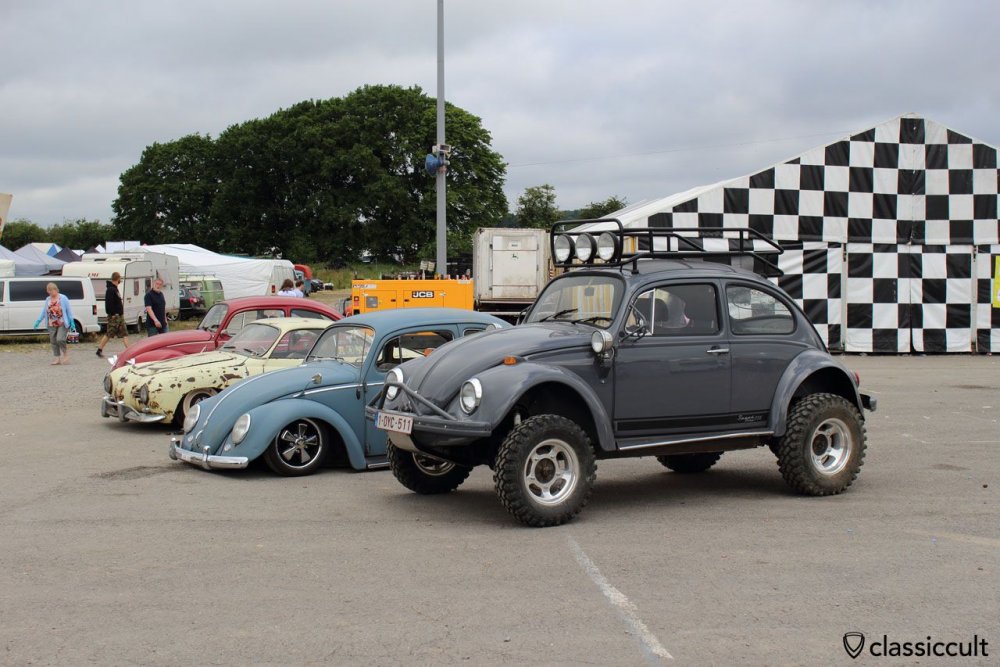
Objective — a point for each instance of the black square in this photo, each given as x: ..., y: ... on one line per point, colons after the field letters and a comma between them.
x: 861, y: 179
x: 834, y: 342
x: 903, y: 319
x: 984, y: 207
x: 796, y: 160
x: 860, y: 265
x: 660, y: 220
x: 983, y: 342
x: 859, y: 316
x: 935, y: 340
x: 811, y: 177
x: 937, y: 207
x: 984, y: 289
x: 916, y: 316
x: 792, y: 284
x: 865, y: 136
x: 835, y: 204
x: 833, y: 285
x: 786, y: 202
x: 984, y: 157
x: 815, y: 262
x: 934, y: 290
x: 713, y: 220
x: 838, y: 154
x: 911, y: 181
x: 763, y: 180
x: 911, y: 130
x: 762, y: 223
x: 689, y: 206
x: 810, y: 228
x: 960, y: 181
x: 956, y: 138
x: 816, y: 310
x: 960, y: 231
x: 958, y: 316
x: 935, y: 156
x: 958, y: 265
x: 885, y: 340
x: 736, y: 200
x: 859, y: 230
x: 884, y: 207
x: 886, y: 156
x: 885, y: 290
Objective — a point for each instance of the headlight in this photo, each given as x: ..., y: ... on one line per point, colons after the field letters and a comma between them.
x: 144, y: 394
x: 472, y: 394
x: 562, y: 247
x: 607, y: 246
x: 191, y: 418
x: 600, y: 341
x: 395, y: 375
x: 585, y: 247
x: 107, y: 383
x: 241, y: 428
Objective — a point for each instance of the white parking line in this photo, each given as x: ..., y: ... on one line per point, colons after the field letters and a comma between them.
x: 651, y: 646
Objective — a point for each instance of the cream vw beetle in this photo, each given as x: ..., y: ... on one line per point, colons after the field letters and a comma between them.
x: 166, y: 390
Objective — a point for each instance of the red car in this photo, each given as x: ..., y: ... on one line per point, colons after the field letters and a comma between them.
x: 220, y: 323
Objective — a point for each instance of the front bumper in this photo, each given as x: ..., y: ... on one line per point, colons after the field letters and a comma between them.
x: 870, y: 403
x: 112, y: 408
x: 205, y: 460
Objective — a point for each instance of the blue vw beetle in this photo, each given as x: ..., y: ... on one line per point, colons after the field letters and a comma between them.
x: 300, y: 418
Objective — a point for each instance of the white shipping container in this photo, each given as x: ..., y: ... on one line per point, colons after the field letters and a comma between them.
x: 510, y: 267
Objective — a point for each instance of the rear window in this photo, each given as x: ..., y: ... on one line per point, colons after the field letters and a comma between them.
x: 316, y: 315
x: 34, y: 290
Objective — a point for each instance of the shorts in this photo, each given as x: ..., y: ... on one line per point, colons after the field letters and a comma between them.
x: 116, y: 327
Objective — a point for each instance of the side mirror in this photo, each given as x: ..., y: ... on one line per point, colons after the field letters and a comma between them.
x: 641, y: 326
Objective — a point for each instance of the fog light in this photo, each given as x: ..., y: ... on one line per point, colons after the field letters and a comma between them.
x: 600, y: 341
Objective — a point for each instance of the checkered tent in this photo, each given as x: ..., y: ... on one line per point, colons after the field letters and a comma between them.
x: 891, y: 235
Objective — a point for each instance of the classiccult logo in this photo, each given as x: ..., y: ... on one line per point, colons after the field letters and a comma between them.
x: 854, y: 644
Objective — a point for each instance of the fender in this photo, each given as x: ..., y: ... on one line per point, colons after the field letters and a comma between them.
x: 503, y: 386
x: 266, y: 420
x: 797, y: 371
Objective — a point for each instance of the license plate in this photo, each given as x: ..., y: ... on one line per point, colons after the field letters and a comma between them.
x: 391, y: 422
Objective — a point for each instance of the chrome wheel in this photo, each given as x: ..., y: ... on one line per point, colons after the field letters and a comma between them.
x: 431, y: 466
x: 831, y: 446
x: 299, y: 443
x: 551, y: 472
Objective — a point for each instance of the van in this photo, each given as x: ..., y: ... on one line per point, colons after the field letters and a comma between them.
x: 21, y: 301
x: 209, y: 285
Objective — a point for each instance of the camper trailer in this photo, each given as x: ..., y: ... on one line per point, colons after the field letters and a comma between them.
x: 138, y: 270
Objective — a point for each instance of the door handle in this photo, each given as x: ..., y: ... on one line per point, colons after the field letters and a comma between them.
x: 718, y: 350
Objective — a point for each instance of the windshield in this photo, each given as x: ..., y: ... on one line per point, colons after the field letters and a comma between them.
x: 579, y: 298
x: 254, y: 340
x: 349, y: 344
x: 213, y: 318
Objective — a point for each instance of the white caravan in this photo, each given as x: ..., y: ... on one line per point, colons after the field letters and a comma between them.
x: 138, y: 269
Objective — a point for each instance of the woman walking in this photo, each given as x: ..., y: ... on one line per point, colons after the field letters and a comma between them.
x: 59, y: 316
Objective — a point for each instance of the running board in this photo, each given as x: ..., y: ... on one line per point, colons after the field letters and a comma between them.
x: 716, y: 442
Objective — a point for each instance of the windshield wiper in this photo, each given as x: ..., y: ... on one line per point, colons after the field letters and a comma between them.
x: 249, y: 351
x: 592, y: 319
x: 560, y: 313
x: 325, y: 359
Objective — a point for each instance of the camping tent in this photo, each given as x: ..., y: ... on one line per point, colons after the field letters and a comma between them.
x: 240, y: 276
x: 67, y: 255
x: 22, y: 265
x: 33, y: 254
x: 891, y: 234
x: 50, y: 249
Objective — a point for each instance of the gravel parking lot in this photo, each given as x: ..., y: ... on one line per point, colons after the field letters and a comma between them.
x: 110, y: 553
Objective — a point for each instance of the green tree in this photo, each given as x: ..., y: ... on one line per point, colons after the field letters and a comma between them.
x: 537, y: 207
x: 599, y: 209
x: 81, y: 234
x: 18, y: 233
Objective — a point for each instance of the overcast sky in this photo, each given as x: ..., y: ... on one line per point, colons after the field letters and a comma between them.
x: 636, y: 99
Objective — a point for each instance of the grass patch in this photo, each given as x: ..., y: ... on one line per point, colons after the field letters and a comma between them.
x: 341, y: 278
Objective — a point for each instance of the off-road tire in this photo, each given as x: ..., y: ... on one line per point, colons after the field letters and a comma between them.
x: 418, y: 477
x: 286, y: 440
x: 815, y: 425
x: 690, y: 463
x: 550, y: 438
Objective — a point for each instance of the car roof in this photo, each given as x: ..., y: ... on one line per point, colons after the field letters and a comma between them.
x: 675, y: 268
x: 289, y: 323
x: 279, y: 302
x: 420, y: 317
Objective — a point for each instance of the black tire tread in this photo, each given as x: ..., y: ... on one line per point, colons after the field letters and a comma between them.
x: 409, y: 475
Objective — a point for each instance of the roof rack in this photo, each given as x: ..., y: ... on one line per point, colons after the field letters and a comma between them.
x: 601, y: 242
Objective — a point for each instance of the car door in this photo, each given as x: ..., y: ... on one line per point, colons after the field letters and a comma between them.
x: 763, y: 341
x: 673, y: 375
x: 3, y: 306
x: 395, y: 349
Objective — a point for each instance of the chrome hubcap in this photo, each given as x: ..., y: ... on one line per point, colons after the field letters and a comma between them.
x: 831, y: 446
x: 432, y: 467
x: 301, y: 441
x: 551, y: 472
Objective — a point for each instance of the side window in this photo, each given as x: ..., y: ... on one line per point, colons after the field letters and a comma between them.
x: 409, y: 346
x: 299, y: 312
x: 1, y: 292
x: 295, y: 344
x: 235, y: 324
x: 679, y: 310
x: 29, y: 290
x: 135, y: 288
x: 753, y: 311
x: 473, y: 330
x: 240, y: 320
x: 73, y: 289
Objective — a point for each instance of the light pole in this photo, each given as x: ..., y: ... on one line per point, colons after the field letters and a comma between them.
x: 442, y: 199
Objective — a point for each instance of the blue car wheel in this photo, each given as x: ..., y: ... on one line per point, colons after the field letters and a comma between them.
x: 300, y: 448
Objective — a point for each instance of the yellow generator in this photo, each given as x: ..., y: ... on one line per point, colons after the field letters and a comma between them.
x: 370, y: 295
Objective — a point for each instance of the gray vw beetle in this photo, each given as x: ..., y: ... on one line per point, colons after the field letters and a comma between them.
x: 649, y: 353
x: 300, y: 418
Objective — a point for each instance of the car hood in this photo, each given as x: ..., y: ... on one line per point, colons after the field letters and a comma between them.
x: 439, y: 376
x: 219, y: 413
x: 164, y: 340
x: 191, y: 362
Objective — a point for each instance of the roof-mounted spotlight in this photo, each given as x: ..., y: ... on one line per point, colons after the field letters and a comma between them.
x: 585, y: 246
x: 607, y: 246
x: 562, y: 248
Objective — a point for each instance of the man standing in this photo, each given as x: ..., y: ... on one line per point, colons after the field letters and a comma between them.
x: 156, y: 309
x: 115, y: 310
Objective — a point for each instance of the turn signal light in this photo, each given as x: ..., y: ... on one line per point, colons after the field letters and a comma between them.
x: 509, y: 361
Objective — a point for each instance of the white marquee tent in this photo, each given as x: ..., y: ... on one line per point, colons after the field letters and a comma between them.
x: 240, y: 276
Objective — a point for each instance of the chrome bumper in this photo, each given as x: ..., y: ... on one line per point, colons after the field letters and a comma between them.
x: 112, y: 408
x: 204, y: 459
